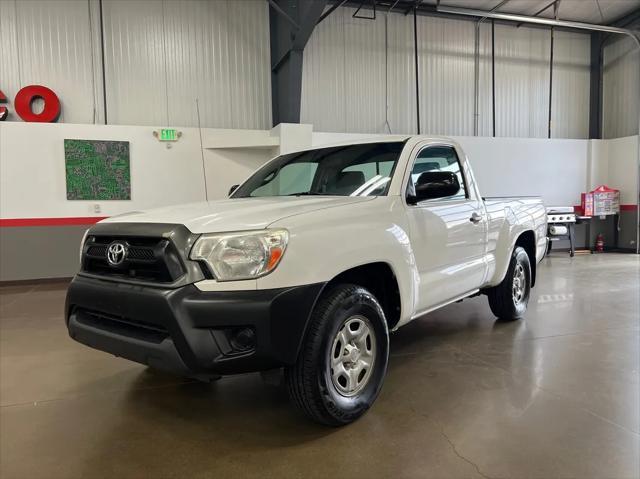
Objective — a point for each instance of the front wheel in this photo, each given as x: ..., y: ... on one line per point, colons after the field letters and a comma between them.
x: 343, y: 360
x: 509, y: 299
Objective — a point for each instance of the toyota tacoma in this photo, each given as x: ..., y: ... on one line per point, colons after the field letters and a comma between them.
x: 307, y: 266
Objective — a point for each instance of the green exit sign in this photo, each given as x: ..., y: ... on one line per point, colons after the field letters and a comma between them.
x: 169, y: 134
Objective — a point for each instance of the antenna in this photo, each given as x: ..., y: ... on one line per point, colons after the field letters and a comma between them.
x: 204, y: 171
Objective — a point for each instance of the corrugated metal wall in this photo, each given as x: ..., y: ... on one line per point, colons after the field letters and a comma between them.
x: 160, y: 55
x: 49, y: 43
x: 446, y: 62
x: 338, y: 72
x: 522, y: 81
x: 485, y: 75
x: 135, y: 65
x: 571, y: 85
x: 350, y: 78
x: 621, y: 88
x: 344, y: 70
x: 323, y: 79
x: 401, y: 76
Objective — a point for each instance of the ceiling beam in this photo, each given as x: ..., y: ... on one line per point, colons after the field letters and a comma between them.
x: 540, y: 11
x: 284, y: 14
x: 627, y: 19
x: 539, y: 21
x: 331, y: 10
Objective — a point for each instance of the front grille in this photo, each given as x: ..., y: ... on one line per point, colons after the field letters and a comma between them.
x: 143, y: 254
x: 141, y: 330
x: 134, y: 252
x: 99, y: 251
x: 147, y: 259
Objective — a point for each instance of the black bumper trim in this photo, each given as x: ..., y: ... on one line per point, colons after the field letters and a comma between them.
x: 104, y: 315
x: 162, y: 355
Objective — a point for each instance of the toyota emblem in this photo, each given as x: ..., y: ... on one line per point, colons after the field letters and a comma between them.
x: 116, y: 253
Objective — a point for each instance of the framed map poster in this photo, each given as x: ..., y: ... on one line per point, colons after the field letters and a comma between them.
x: 97, y: 170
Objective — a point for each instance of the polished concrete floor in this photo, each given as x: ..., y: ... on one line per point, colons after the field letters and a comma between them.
x: 556, y: 395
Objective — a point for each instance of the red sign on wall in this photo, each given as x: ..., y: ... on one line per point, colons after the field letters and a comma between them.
x: 4, y: 112
x: 24, y: 104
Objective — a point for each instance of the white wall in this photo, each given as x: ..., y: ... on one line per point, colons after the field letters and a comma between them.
x: 32, y: 166
x: 622, y: 154
x: 359, y: 77
x: 558, y: 170
x: 159, y: 56
x: 319, y: 138
x: 231, y: 166
x: 553, y: 169
x: 32, y: 170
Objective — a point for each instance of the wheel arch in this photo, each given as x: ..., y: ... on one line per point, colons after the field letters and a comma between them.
x: 527, y: 240
x: 380, y: 279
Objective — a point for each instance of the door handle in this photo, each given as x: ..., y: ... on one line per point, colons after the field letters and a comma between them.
x: 475, y: 218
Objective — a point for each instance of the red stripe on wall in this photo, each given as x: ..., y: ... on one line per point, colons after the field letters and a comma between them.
x: 69, y: 221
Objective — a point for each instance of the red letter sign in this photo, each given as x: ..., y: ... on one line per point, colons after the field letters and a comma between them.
x: 3, y: 109
x: 28, y: 94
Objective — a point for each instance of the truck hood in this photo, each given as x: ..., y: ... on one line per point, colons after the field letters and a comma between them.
x: 235, y: 214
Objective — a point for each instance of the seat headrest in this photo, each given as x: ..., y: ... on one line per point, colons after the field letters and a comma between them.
x: 347, y: 182
x: 350, y: 179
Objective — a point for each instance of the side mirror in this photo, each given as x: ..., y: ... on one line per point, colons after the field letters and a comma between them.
x: 434, y: 184
x: 232, y: 189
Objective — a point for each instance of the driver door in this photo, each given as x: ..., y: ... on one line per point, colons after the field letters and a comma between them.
x: 447, y: 234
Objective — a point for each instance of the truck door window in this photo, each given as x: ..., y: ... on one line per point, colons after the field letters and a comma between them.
x: 438, y: 158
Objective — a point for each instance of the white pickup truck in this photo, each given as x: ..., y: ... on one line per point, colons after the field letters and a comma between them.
x: 308, y: 265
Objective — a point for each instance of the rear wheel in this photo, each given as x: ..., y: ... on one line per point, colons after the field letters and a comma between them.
x: 343, y: 360
x: 509, y: 299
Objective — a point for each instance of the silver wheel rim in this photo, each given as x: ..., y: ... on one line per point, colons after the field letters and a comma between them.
x: 519, y: 284
x: 352, y: 356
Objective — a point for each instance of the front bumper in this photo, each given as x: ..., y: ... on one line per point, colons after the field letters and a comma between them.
x: 188, y: 331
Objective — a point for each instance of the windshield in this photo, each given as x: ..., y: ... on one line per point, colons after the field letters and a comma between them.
x: 353, y: 170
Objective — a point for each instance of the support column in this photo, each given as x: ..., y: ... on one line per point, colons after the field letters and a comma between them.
x: 595, y: 96
x: 291, y: 23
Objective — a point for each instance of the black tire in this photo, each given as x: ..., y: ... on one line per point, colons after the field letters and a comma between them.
x: 501, y: 297
x: 309, y: 381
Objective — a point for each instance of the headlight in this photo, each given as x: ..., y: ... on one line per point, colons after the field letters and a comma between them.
x: 246, y: 255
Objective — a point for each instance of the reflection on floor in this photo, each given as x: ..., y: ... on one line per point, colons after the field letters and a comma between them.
x: 555, y: 395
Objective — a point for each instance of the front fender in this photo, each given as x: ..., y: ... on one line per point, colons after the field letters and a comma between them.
x: 324, y: 244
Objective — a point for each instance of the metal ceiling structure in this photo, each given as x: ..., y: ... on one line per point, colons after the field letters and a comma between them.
x: 600, y: 12
x: 595, y: 16
x: 587, y: 11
